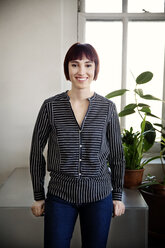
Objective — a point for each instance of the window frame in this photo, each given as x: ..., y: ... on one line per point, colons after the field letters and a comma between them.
x: 123, y: 17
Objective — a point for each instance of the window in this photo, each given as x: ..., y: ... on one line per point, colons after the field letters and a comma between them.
x: 146, y: 43
x: 110, y: 54
x: 94, y: 6
x: 130, y: 39
x: 139, y: 6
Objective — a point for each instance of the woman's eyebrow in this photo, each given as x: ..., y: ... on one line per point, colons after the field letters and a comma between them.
x: 77, y: 61
x: 89, y: 61
x: 74, y: 61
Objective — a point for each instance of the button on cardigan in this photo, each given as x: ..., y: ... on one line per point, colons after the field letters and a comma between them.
x: 85, y: 162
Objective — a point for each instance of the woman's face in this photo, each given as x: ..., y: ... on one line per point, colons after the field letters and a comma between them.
x: 81, y: 72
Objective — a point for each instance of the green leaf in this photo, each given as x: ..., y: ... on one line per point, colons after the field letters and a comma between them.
x: 150, y: 114
x: 146, y: 161
x: 158, y: 125
x: 144, y: 77
x: 147, y: 184
x: 116, y: 93
x: 143, y: 105
x: 139, y: 92
x: 130, y: 106
x: 149, y: 97
x: 149, y: 136
x: 145, y: 109
x: 126, y: 112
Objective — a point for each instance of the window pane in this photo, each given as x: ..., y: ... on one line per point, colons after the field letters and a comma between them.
x: 146, y: 43
x: 137, y: 6
x: 108, y: 43
x: 103, y: 6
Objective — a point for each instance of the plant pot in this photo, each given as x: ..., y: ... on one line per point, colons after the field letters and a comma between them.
x: 133, y: 178
x: 158, y: 189
x: 156, y: 204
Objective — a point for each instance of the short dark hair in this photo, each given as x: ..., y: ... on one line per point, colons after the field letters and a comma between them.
x: 77, y: 51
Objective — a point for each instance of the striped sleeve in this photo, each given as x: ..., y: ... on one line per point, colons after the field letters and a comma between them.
x: 116, y: 157
x: 37, y: 159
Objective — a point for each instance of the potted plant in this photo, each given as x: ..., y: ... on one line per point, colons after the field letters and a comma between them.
x: 136, y: 144
x: 151, y: 182
x: 153, y: 191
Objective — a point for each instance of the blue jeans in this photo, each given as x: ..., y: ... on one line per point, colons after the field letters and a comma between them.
x: 60, y: 219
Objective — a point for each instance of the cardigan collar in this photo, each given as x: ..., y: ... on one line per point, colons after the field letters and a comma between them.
x: 89, y: 98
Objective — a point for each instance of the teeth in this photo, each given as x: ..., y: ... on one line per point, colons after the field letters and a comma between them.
x: 81, y: 79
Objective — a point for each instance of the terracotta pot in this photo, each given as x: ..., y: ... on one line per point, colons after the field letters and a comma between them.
x: 133, y: 178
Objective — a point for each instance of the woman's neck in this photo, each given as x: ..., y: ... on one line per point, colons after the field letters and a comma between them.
x: 79, y: 94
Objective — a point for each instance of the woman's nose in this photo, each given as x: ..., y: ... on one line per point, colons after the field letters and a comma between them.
x: 81, y: 70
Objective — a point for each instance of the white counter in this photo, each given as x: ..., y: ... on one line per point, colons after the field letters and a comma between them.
x: 20, y: 229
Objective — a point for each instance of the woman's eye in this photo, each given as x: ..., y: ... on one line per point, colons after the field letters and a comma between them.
x: 88, y: 65
x: 74, y: 65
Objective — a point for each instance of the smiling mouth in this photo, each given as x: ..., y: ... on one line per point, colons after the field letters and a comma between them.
x: 81, y: 78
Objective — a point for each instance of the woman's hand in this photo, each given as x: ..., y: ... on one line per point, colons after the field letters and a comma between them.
x: 38, y: 208
x: 119, y: 208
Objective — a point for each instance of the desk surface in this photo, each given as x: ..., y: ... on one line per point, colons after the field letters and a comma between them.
x: 17, y: 191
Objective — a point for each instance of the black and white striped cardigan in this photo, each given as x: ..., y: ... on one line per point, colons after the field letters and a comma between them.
x: 77, y: 156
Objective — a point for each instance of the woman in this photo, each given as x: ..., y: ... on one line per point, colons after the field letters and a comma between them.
x: 83, y: 134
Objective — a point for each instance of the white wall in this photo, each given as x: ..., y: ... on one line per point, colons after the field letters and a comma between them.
x: 35, y: 35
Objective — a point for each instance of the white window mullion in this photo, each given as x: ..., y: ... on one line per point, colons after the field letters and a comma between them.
x: 81, y: 6
x: 124, y: 67
x: 81, y: 27
x: 124, y: 59
x: 124, y: 6
x: 120, y: 16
